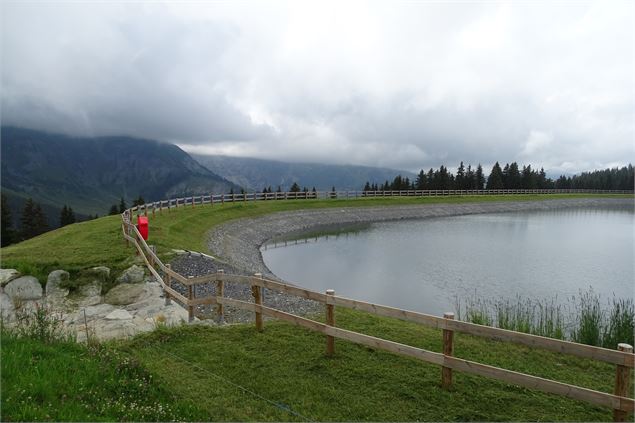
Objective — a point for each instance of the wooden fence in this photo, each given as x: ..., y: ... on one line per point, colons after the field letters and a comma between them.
x: 623, y: 358
x: 324, y: 195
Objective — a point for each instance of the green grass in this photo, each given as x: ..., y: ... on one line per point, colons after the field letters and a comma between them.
x: 66, y: 381
x: 287, y: 365
x: 235, y: 373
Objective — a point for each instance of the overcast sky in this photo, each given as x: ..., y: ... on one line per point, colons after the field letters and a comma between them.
x: 398, y: 84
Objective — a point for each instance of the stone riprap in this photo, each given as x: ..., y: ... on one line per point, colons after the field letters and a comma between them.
x: 200, y: 265
x: 139, y: 307
x: 238, y: 242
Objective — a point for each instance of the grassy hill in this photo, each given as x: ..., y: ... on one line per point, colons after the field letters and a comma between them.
x: 235, y: 373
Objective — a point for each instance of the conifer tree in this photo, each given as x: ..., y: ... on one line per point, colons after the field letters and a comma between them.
x: 295, y: 187
x: 480, y: 178
x: 8, y: 234
x: 67, y: 216
x: 33, y: 220
x: 122, y: 206
x: 113, y: 210
x: 495, y: 179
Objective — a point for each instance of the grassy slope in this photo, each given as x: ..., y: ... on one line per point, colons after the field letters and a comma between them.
x: 287, y: 365
x: 284, y: 364
x: 211, y: 374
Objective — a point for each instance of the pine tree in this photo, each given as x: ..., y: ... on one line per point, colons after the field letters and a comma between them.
x: 480, y: 178
x: 139, y: 201
x: 8, y: 234
x: 122, y: 206
x: 460, y: 182
x: 495, y: 178
x: 279, y: 189
x: 67, y: 216
x: 113, y: 210
x: 295, y: 187
x: 367, y: 186
x: 33, y: 220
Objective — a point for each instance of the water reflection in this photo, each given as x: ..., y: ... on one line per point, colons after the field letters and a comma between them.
x: 425, y: 264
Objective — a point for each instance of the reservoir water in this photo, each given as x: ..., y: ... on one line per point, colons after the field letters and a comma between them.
x: 424, y: 265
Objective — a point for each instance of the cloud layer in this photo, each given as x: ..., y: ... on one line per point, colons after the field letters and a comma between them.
x: 400, y: 84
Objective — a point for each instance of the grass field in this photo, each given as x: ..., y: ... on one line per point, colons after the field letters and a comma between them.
x: 238, y: 374
x: 234, y: 373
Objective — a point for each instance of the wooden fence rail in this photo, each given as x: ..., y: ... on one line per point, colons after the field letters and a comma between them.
x: 212, y: 199
x: 623, y: 357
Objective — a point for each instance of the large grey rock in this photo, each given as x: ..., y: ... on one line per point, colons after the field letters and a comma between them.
x: 6, y: 307
x: 100, y: 272
x: 7, y: 275
x: 119, y: 315
x: 24, y: 288
x: 89, y: 294
x: 133, y: 274
x: 53, y: 282
x: 124, y: 294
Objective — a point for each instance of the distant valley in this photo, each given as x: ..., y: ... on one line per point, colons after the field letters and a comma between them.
x: 256, y: 174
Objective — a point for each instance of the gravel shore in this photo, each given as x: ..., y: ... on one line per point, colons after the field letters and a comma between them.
x: 236, y: 244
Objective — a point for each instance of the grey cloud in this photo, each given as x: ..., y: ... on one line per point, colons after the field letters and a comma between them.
x: 410, y: 86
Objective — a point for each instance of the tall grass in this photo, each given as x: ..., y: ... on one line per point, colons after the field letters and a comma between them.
x: 584, y: 319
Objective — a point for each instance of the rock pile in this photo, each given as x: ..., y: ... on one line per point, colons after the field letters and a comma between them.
x: 134, y: 305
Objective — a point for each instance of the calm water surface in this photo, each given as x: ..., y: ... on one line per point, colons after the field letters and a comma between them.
x: 424, y: 265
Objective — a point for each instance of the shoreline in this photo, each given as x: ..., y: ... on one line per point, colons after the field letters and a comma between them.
x: 238, y: 242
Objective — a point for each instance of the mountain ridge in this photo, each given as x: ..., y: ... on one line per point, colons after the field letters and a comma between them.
x: 255, y: 174
x: 92, y: 173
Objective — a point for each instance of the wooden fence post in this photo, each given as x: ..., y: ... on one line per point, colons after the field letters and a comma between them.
x: 448, y: 347
x: 622, y: 382
x: 330, y: 320
x: 190, y: 296
x: 168, y: 282
x: 154, y: 250
x: 256, y: 291
x: 220, y: 292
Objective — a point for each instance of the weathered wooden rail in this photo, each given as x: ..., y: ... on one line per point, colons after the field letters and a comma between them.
x: 623, y: 358
x: 159, y: 206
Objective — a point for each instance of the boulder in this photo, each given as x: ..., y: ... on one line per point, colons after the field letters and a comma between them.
x: 119, y: 315
x: 133, y: 274
x: 7, y: 275
x: 124, y: 294
x: 53, y: 282
x: 6, y: 307
x: 24, y: 288
x: 102, y: 273
x: 89, y: 294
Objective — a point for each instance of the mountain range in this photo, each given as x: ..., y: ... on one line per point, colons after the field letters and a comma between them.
x: 91, y: 174
x: 256, y: 174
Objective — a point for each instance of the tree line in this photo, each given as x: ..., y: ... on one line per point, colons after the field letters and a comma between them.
x: 33, y: 221
x: 511, y: 176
